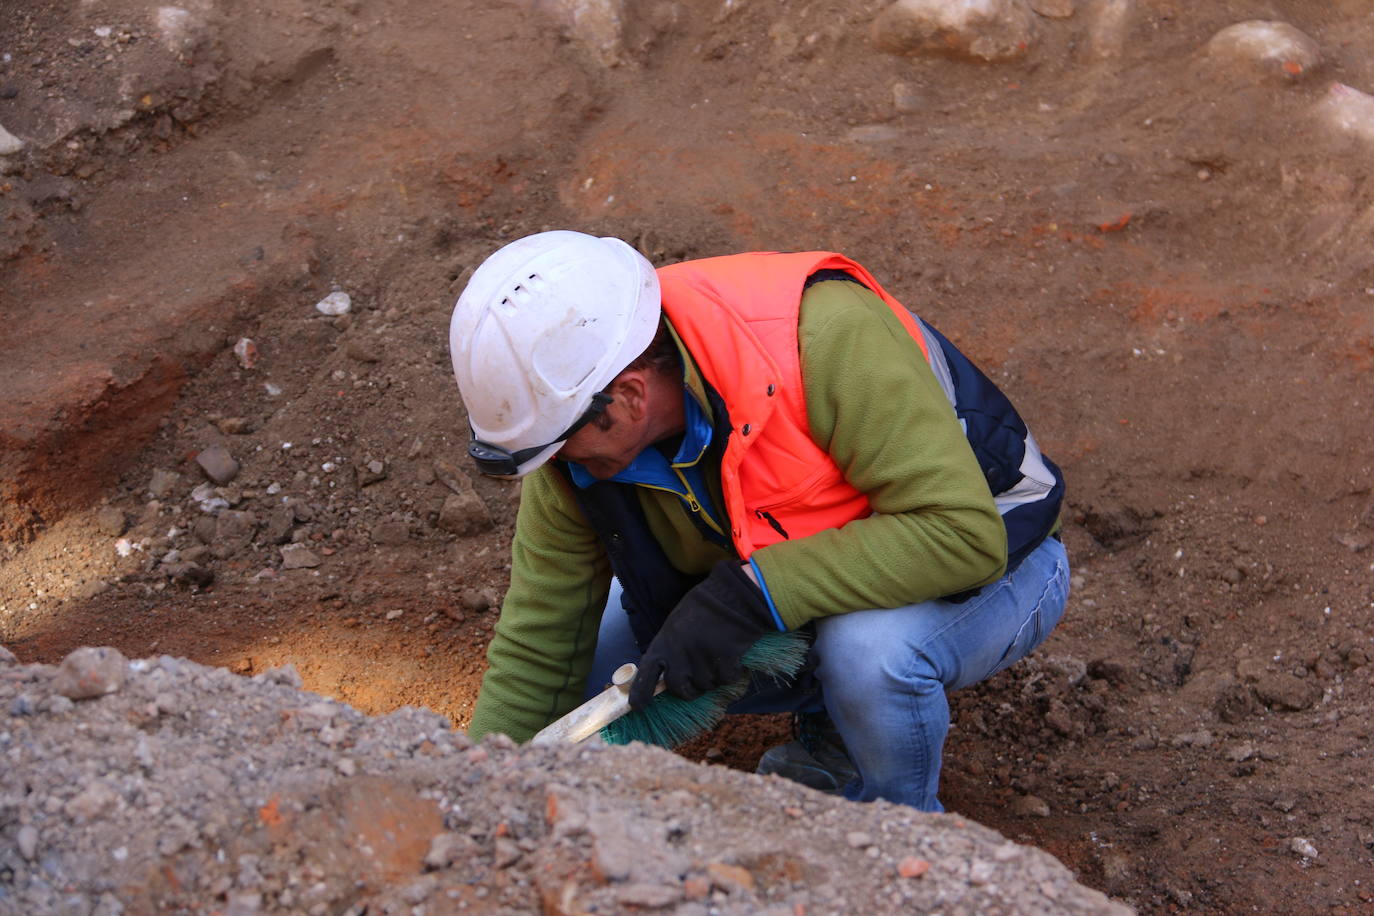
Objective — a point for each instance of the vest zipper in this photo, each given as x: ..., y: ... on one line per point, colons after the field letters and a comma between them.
x: 690, y: 499
x: 692, y: 503
x: 773, y: 523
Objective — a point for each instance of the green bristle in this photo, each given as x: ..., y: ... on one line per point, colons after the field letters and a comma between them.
x: 669, y: 721
x: 778, y: 655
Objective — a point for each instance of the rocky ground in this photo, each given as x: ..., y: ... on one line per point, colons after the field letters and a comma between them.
x: 166, y: 786
x: 1151, y: 221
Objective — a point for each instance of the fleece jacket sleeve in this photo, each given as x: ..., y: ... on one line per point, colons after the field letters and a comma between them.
x: 541, y: 651
x: 874, y: 405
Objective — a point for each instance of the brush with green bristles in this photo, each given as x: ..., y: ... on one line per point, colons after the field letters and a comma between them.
x: 669, y: 721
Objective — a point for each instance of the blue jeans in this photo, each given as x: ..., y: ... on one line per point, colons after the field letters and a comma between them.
x: 883, y: 673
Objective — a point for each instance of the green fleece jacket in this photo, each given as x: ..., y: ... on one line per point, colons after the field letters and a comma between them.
x: 876, y: 408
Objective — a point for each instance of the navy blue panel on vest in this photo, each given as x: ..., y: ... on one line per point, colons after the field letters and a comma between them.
x: 652, y: 585
x: 1030, y: 524
x: 998, y: 437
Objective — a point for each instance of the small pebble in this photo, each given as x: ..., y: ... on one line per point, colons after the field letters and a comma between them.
x: 246, y: 351
x: 447, y: 848
x: 1241, y: 752
x: 730, y: 878
x: 27, y: 841
x: 110, y: 521
x: 9, y: 143
x: 337, y: 303
x: 858, y: 839
x: 1303, y: 847
x: 296, y: 556
x: 696, y: 887
x: 91, y: 672
x: 912, y: 867
x: 506, y: 853
x: 234, y: 426
x: 1030, y: 806
x: 162, y: 483
x: 218, y: 464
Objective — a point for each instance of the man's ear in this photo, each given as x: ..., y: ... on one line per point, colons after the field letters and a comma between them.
x: 631, y: 391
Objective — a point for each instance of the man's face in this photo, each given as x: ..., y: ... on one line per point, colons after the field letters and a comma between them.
x: 606, y: 450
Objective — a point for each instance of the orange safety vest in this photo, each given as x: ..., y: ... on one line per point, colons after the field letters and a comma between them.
x: 738, y: 316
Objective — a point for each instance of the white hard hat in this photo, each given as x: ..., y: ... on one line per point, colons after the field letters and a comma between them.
x: 542, y: 327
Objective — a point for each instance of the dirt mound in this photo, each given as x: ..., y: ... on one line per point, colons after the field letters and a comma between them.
x: 1150, y: 221
x: 169, y: 785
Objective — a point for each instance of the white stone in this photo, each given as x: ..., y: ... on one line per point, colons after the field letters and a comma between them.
x: 247, y: 352
x: 597, y: 25
x: 336, y: 303
x: 990, y: 30
x: 1109, y: 22
x: 27, y: 841
x: 1264, y: 49
x: 1348, y: 110
x: 1303, y: 847
x: 179, y: 29
x: 9, y: 143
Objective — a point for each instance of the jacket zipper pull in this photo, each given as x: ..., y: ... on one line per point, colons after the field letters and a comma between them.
x: 773, y: 523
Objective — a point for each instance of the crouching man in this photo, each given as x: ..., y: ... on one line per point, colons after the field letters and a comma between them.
x: 730, y: 446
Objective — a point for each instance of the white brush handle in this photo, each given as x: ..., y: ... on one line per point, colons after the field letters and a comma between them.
x: 595, y: 714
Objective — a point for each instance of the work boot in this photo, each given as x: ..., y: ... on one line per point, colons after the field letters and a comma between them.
x: 816, y: 757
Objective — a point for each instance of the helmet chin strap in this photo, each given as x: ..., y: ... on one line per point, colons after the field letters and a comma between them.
x: 497, y: 461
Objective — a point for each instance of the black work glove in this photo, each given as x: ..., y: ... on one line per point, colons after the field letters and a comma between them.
x: 699, y: 646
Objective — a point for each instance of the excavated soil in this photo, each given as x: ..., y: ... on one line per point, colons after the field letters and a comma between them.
x: 1164, y: 254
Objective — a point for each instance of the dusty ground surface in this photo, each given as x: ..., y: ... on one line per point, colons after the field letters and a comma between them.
x: 1163, y: 254
x: 182, y: 788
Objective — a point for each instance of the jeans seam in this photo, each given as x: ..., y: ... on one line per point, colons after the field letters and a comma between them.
x: 1040, y: 634
x: 1050, y: 583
